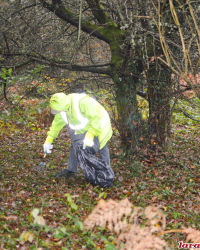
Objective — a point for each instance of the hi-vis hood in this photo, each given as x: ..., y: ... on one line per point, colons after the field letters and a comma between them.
x: 60, y: 102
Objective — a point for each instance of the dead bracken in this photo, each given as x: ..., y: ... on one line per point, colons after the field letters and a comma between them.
x: 125, y: 220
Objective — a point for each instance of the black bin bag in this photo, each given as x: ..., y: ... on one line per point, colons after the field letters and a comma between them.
x: 95, y: 170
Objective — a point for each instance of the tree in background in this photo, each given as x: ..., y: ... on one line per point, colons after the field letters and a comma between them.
x: 137, y: 44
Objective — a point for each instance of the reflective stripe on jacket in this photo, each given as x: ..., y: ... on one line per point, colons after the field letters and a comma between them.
x: 82, y: 113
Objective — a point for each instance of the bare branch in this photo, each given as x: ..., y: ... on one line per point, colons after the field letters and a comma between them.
x: 70, y: 17
x: 26, y: 7
x: 187, y: 114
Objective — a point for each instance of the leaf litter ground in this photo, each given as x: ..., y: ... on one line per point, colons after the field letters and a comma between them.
x: 170, y: 181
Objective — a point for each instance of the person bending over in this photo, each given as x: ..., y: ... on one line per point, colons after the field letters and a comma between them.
x: 88, y: 123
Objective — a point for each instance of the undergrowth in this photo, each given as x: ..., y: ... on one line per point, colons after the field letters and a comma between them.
x: 36, y: 212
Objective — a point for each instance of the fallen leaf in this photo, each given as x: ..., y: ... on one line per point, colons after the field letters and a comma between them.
x: 26, y: 236
x: 120, y: 178
x: 152, y: 59
x: 39, y: 220
x: 154, y: 198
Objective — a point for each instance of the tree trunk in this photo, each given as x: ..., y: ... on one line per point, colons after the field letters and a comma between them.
x: 129, y: 118
x: 159, y: 96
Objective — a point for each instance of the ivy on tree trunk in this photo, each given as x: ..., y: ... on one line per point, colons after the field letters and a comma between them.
x: 159, y: 97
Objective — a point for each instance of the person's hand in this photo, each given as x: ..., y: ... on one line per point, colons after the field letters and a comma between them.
x: 88, y: 146
x: 87, y: 143
x: 47, y: 148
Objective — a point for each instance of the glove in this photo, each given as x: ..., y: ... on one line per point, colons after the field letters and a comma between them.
x: 47, y: 148
x: 89, y: 149
x: 88, y: 143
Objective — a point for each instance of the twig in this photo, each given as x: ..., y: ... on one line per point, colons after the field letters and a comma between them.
x: 170, y: 231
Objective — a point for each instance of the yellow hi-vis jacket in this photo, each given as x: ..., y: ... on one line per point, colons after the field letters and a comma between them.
x: 83, y: 114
